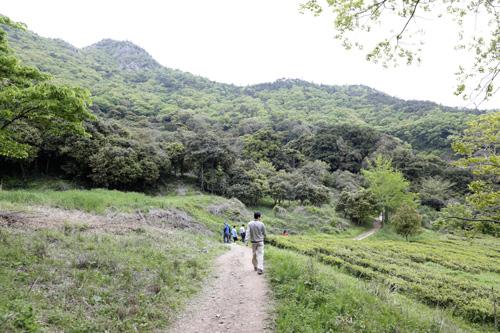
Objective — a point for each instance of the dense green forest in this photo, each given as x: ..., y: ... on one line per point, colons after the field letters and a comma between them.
x: 289, y: 140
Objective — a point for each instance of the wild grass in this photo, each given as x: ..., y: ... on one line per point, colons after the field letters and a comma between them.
x: 75, y: 281
x: 313, y: 297
x: 297, y: 219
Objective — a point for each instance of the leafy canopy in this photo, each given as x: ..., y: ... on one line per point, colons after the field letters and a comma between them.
x: 407, y: 221
x: 28, y: 98
x: 388, y: 185
x: 478, y: 31
x: 480, y: 146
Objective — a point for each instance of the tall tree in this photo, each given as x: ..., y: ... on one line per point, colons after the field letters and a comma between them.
x: 27, y: 97
x: 388, y: 186
x: 401, y: 21
x: 480, y: 146
x: 209, y: 155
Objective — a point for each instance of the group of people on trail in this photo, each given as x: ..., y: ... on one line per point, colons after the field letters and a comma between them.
x: 229, y: 233
x: 255, y: 234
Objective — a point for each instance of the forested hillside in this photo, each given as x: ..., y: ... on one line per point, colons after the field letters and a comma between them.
x: 127, y: 83
x: 290, y: 139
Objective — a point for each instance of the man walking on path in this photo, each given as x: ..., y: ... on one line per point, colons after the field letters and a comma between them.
x: 226, y: 231
x: 256, y: 231
x: 242, y: 233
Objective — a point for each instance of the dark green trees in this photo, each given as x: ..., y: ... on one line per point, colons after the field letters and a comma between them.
x: 358, y: 206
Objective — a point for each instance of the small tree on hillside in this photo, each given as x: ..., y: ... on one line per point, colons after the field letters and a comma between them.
x: 407, y: 221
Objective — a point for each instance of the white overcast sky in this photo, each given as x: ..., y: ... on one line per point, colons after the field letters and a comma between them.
x: 245, y: 42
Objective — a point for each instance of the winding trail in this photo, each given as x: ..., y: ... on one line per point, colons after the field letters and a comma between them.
x: 376, y: 226
x: 236, y: 301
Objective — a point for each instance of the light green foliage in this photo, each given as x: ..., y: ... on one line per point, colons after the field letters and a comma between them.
x: 387, y: 185
x: 444, y: 223
x: 27, y: 97
x: 407, y: 221
x: 397, y: 24
x: 480, y: 144
x: 402, y: 266
x: 434, y: 187
x: 172, y: 100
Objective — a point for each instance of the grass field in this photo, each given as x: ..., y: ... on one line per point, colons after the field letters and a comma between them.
x: 78, y: 281
x: 74, y: 276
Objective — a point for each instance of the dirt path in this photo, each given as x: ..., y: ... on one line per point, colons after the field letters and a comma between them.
x: 376, y: 226
x: 236, y: 301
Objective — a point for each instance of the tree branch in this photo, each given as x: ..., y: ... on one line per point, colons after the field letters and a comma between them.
x: 369, y: 9
x: 409, y: 19
x: 19, y: 116
x: 472, y: 220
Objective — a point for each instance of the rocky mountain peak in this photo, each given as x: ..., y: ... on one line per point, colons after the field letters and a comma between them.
x: 129, y: 57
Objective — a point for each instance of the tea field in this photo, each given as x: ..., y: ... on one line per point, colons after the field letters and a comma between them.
x: 461, y: 276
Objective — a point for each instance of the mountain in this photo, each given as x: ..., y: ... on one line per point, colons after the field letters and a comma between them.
x: 128, y: 84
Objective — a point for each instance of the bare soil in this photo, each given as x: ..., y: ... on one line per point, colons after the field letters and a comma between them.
x: 43, y: 217
x: 236, y: 301
x: 376, y: 226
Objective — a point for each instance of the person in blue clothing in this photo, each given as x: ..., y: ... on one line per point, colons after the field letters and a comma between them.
x: 235, y: 234
x: 226, y: 232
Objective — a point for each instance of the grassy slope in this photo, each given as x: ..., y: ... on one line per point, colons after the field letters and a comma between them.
x: 73, y: 278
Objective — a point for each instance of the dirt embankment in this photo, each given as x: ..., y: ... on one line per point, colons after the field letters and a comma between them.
x: 42, y: 217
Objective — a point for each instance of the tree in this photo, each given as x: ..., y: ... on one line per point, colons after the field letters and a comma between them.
x: 317, y: 195
x: 434, y: 190
x: 115, y: 167
x: 282, y: 187
x: 480, y: 146
x: 445, y: 223
x: 388, y: 186
x: 316, y: 171
x: 262, y: 145
x: 176, y: 152
x: 27, y: 97
x: 358, y: 205
x: 402, y: 20
x: 343, y: 146
x: 407, y: 221
x: 209, y: 155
